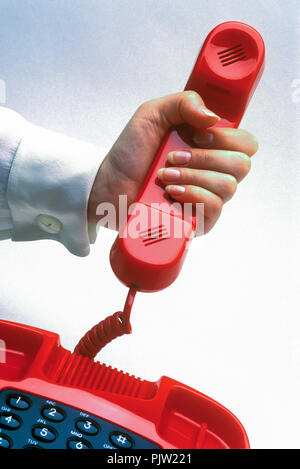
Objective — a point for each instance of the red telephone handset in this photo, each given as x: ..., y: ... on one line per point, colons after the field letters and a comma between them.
x: 150, y: 249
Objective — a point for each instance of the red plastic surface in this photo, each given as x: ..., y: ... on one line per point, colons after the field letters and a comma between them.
x: 107, y: 330
x: 167, y: 412
x: 225, y: 74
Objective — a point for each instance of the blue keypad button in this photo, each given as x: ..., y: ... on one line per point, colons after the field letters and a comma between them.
x: 18, y: 402
x: 77, y: 443
x: 87, y: 426
x: 121, y: 440
x: 44, y: 433
x: 5, y: 442
x: 9, y: 421
x: 55, y: 414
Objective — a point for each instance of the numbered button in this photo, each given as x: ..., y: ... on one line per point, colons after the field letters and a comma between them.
x: 44, y: 434
x: 121, y: 440
x: 9, y: 421
x: 55, y: 414
x: 76, y: 443
x: 5, y: 442
x: 87, y: 426
x: 18, y: 402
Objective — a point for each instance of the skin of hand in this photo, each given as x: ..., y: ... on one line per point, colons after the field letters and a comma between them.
x: 208, y: 173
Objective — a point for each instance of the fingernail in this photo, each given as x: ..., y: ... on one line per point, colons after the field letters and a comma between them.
x: 208, y: 112
x: 179, y: 157
x: 175, y: 190
x: 168, y: 173
x: 203, y: 138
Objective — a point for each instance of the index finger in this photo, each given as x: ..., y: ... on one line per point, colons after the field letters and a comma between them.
x: 230, y: 139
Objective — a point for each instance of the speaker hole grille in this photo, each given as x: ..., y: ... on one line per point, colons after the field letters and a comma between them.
x: 232, y: 55
x: 154, y: 235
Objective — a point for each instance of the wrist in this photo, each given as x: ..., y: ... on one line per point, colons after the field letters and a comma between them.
x: 101, y: 193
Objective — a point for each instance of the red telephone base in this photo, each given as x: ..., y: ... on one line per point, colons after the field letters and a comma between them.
x: 166, y: 413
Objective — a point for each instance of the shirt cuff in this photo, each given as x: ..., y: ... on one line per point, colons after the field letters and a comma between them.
x: 12, y: 127
x: 48, y: 189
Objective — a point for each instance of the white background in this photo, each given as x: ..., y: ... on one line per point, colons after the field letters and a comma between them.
x: 230, y: 325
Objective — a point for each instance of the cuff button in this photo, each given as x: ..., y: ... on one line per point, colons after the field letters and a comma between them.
x: 49, y: 224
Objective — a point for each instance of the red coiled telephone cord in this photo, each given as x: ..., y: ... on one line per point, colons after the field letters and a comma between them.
x: 105, y: 331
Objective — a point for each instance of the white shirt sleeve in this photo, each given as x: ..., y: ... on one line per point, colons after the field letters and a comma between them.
x: 45, y: 183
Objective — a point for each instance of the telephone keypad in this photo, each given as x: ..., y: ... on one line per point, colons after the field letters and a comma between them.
x: 43, y: 433
x: 5, y: 441
x: 34, y: 422
x: 88, y: 427
x: 121, y: 440
x: 18, y: 402
x: 54, y: 414
x: 77, y: 443
x: 9, y: 421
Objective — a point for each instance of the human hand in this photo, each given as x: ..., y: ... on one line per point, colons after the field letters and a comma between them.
x: 209, y: 174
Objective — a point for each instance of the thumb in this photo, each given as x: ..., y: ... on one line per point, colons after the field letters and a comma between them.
x: 186, y: 107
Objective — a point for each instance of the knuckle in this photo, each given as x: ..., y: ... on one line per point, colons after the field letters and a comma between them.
x: 204, y: 156
x: 145, y: 107
x: 243, y: 165
x: 255, y: 145
x: 189, y: 174
x: 193, y: 95
x: 229, y: 185
x: 200, y: 157
x: 149, y: 116
x: 216, y: 205
x: 252, y: 142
